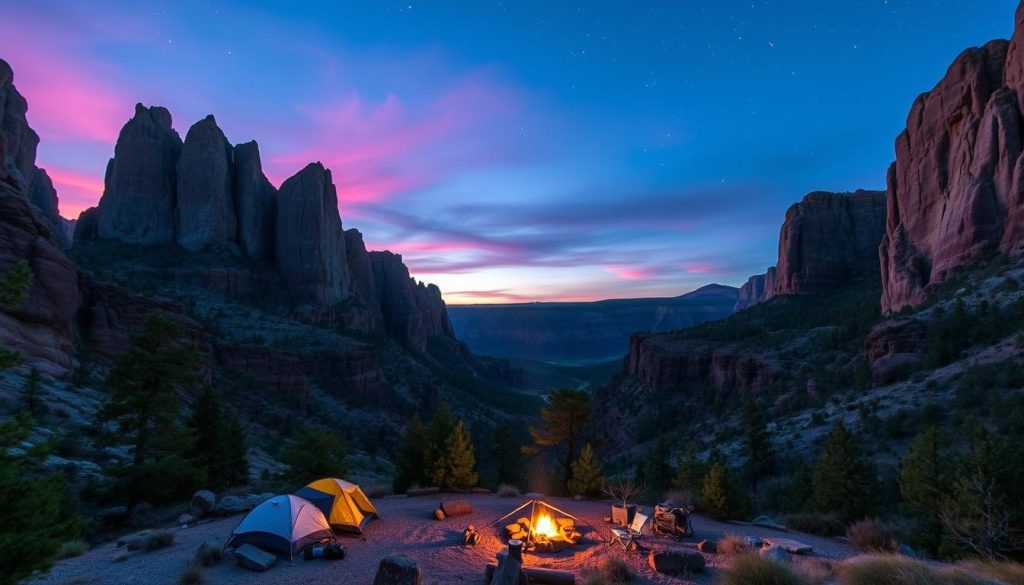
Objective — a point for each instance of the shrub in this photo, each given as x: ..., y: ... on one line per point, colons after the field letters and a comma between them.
x: 820, y: 524
x: 1008, y: 572
x: 871, y: 536
x: 208, y: 554
x: 158, y: 539
x: 894, y: 570
x: 192, y: 575
x: 733, y: 544
x: 506, y: 490
x: 757, y: 570
x: 612, y: 571
x: 72, y: 548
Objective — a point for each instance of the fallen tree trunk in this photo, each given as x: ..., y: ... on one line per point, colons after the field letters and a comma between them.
x: 456, y: 508
x: 539, y: 576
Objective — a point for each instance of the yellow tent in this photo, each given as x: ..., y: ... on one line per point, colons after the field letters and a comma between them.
x: 344, y: 505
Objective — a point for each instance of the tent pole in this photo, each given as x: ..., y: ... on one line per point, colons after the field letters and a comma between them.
x: 510, y: 513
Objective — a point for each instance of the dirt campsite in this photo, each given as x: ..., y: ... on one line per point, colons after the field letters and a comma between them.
x: 407, y: 527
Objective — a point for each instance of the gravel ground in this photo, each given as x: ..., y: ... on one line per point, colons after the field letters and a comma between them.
x: 407, y: 528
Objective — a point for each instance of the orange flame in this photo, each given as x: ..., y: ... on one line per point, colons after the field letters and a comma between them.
x: 545, y: 525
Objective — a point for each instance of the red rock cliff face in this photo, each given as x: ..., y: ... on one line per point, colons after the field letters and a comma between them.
x: 956, y: 190
x: 663, y: 363
x: 827, y: 240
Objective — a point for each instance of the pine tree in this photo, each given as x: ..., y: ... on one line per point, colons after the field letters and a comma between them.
x: 506, y: 453
x: 441, y: 427
x: 144, y: 406
x: 30, y: 395
x: 411, y: 461
x: 924, y: 484
x: 757, y: 447
x: 562, y: 424
x: 459, y: 460
x: 690, y: 471
x: 719, y: 496
x: 800, y: 489
x: 587, y: 475
x: 657, y: 473
x: 842, y: 478
x: 219, y: 442
x: 314, y: 454
x: 14, y: 286
x: 35, y: 517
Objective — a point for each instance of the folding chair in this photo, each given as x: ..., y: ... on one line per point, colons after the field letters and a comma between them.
x: 630, y: 535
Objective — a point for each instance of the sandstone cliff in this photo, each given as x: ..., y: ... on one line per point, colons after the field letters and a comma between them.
x: 956, y: 190
x: 205, y: 205
x: 826, y: 241
x: 661, y: 362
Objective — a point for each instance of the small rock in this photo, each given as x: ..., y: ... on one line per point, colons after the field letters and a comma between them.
x: 249, y: 557
x: 776, y: 553
x: 439, y: 514
x: 397, y: 570
x: 673, y: 562
x: 186, y: 519
x: 707, y: 546
x: 906, y: 551
x: 203, y: 503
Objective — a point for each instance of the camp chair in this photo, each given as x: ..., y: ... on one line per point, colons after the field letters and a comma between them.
x: 630, y: 535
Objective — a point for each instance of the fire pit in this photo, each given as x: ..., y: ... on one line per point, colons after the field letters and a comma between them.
x: 543, y: 528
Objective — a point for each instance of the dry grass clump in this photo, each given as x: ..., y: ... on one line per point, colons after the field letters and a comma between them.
x: 192, y: 575
x: 1007, y: 572
x: 72, y: 548
x: 733, y: 544
x: 208, y: 555
x: 757, y: 570
x: 871, y: 536
x: 815, y: 571
x: 507, y: 490
x: 612, y: 571
x: 895, y: 570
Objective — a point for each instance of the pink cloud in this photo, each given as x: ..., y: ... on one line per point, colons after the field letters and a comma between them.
x: 703, y: 267
x: 629, y: 273
x: 77, y: 191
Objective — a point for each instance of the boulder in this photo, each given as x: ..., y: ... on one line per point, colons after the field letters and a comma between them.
x: 141, y: 180
x: 203, y: 502
x: 250, y: 557
x: 231, y: 505
x: 310, y: 244
x: 205, y: 210
x: 674, y: 562
x: 257, y: 200
x: 397, y: 570
x: 186, y: 519
x: 776, y: 553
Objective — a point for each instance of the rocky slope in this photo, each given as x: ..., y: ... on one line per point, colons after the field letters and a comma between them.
x: 956, y: 190
x: 572, y: 332
x: 826, y: 241
x: 205, y: 195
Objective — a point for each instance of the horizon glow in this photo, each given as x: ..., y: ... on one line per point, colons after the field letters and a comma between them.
x: 514, y: 152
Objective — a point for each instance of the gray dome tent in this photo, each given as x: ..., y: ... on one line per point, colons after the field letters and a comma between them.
x: 282, y: 524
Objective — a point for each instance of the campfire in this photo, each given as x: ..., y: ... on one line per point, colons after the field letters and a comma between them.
x: 545, y: 530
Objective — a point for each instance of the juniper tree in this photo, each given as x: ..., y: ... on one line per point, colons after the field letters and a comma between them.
x: 218, y: 445
x: 757, y: 447
x: 924, y: 485
x: 587, y: 475
x: 14, y: 286
x: 562, y: 424
x: 315, y: 453
x: 719, y: 495
x: 144, y: 406
x: 506, y: 453
x: 842, y: 477
x: 656, y: 471
x: 690, y: 471
x: 458, y: 461
x: 411, y: 461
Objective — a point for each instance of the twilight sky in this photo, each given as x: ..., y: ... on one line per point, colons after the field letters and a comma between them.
x: 518, y: 150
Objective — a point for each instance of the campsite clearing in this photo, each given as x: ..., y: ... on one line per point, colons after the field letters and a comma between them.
x: 408, y: 529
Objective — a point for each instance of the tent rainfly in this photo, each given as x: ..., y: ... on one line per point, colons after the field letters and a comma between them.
x: 283, y: 524
x: 344, y: 505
